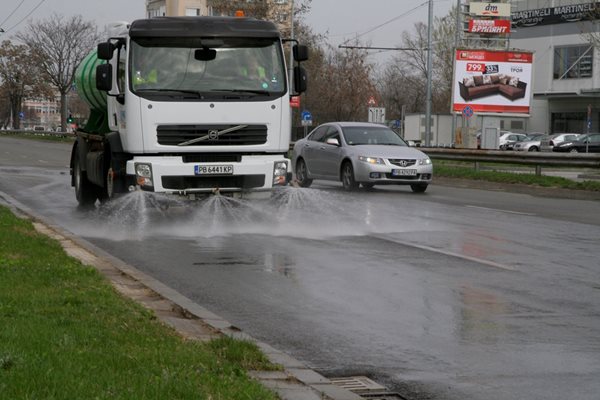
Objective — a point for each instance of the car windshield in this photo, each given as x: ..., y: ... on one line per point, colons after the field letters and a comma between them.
x: 251, y: 67
x: 359, y: 135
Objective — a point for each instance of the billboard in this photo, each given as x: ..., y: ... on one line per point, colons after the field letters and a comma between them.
x: 492, y: 81
x: 494, y: 26
x: 490, y: 9
x: 556, y: 15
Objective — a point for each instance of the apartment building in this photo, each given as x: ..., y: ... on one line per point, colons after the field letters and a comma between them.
x: 564, y: 35
x: 279, y: 11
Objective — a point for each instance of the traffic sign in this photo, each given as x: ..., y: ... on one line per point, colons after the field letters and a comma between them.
x: 306, y: 115
x: 372, y: 102
x: 467, y: 111
x: 377, y: 114
x: 21, y: 115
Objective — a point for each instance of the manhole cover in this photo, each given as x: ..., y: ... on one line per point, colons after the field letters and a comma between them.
x: 365, y: 388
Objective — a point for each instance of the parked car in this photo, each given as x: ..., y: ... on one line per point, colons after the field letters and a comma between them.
x: 589, y: 143
x: 508, y: 139
x: 531, y: 143
x: 549, y: 142
x: 360, y: 153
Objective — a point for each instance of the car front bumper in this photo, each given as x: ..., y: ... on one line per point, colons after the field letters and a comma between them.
x: 383, y: 174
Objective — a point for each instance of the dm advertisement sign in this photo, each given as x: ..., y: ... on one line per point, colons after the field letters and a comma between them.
x: 492, y: 81
x: 490, y: 9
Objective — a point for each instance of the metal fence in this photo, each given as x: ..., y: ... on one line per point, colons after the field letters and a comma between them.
x: 536, y: 159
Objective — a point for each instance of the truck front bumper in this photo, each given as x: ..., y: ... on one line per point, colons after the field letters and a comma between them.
x: 171, y: 174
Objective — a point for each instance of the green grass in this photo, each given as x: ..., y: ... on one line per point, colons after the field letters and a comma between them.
x: 65, y: 333
x: 50, y: 137
x: 462, y: 171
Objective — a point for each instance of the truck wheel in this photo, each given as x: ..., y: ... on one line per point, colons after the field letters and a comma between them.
x: 84, y: 190
x: 108, y: 191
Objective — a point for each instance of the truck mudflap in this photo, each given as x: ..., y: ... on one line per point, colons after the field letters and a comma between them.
x: 169, y: 174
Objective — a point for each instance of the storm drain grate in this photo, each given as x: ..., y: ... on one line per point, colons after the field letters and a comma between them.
x: 365, y: 388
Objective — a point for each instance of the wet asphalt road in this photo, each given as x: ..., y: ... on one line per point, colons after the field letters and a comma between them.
x: 455, y: 294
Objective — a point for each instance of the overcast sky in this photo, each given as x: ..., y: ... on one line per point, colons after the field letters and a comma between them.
x: 376, y: 22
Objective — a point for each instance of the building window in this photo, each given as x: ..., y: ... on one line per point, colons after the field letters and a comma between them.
x: 569, y: 122
x: 281, y: 1
x: 571, y: 62
x: 192, y: 12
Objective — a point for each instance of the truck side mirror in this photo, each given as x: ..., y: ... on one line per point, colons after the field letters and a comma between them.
x: 300, y: 79
x: 300, y: 52
x: 105, y: 50
x: 104, y: 77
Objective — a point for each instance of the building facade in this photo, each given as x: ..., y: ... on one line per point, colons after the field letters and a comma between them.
x: 564, y: 35
x: 279, y: 11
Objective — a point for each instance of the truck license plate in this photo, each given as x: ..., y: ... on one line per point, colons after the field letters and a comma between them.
x: 404, y: 172
x: 213, y: 169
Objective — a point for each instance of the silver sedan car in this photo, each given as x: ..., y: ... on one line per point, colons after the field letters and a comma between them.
x: 359, y: 153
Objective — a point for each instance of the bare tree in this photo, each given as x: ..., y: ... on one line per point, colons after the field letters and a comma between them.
x: 20, y: 79
x: 58, y: 45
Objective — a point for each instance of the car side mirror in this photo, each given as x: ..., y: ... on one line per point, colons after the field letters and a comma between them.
x: 333, y: 141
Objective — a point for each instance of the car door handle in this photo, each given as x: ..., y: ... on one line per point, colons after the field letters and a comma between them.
x: 306, y: 145
x: 322, y: 147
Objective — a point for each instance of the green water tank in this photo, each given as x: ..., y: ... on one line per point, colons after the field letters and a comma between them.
x: 85, y: 82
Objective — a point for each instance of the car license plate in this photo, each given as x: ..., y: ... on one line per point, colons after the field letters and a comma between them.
x: 213, y: 169
x: 404, y: 172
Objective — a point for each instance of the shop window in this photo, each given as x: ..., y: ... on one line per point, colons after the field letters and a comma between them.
x: 569, y: 122
x: 572, y: 62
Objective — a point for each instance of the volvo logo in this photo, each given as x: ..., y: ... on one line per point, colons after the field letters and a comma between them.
x: 213, y: 134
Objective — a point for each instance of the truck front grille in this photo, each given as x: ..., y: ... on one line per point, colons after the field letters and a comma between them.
x: 210, y: 135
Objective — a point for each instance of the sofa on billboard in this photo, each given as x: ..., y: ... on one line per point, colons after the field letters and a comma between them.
x: 474, y: 87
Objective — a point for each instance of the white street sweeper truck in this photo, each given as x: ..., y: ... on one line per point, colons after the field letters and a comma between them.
x: 186, y: 106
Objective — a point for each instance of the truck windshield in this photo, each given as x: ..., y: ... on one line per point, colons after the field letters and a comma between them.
x: 225, y: 68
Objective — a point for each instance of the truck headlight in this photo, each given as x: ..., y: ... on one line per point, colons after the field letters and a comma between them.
x: 280, y: 170
x: 143, y: 175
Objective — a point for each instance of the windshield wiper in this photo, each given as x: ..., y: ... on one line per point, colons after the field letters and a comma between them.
x: 243, y: 91
x: 174, y: 91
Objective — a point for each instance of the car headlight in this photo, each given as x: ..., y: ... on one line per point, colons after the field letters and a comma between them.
x: 425, y: 161
x: 371, y: 160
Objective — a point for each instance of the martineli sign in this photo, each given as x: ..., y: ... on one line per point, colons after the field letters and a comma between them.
x: 492, y: 81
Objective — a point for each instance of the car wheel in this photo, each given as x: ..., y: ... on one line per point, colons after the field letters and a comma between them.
x: 533, y: 148
x: 573, y: 150
x: 85, y: 192
x: 348, y: 177
x: 302, y: 174
x: 418, y: 187
x: 367, y: 185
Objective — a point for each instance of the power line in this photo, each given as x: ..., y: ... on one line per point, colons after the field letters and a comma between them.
x: 13, y: 11
x: 25, y: 17
x: 388, y: 21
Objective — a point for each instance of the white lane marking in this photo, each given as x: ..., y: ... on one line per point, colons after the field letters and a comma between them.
x: 448, y: 253
x: 43, y: 161
x: 500, y: 210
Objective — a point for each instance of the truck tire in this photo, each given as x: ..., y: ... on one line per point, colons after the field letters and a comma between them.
x: 85, y: 191
x: 107, y: 192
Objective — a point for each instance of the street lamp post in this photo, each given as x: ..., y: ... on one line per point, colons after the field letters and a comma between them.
x: 429, y: 73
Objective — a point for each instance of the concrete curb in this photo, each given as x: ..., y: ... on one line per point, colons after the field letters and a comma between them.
x: 189, y: 319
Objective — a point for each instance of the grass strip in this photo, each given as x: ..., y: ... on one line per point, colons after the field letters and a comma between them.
x: 65, y: 333
x: 464, y: 172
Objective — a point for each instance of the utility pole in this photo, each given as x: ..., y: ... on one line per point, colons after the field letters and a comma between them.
x: 429, y: 73
x: 456, y: 43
